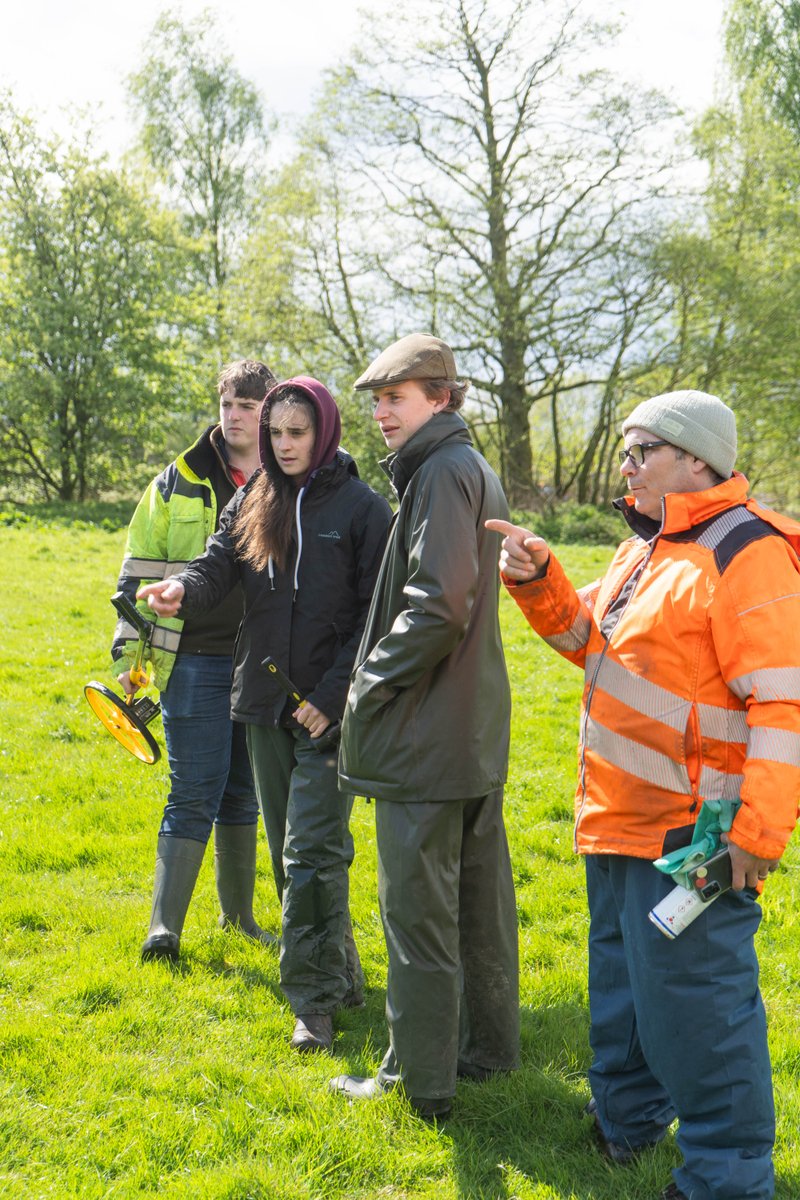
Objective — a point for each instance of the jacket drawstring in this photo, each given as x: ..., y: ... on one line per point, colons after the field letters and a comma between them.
x: 271, y: 573
x: 299, y: 529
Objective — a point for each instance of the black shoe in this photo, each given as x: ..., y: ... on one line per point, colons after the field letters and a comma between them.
x: 619, y: 1154
x: 673, y: 1192
x: 312, y: 1032
x: 477, y: 1074
x: 431, y: 1110
x: 162, y: 945
x: 353, y: 999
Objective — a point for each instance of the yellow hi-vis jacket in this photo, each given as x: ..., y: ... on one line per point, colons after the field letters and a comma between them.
x: 691, y: 649
x: 172, y: 523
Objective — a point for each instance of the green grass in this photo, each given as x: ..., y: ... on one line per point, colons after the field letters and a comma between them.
x: 121, y: 1079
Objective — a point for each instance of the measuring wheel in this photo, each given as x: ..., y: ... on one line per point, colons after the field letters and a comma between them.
x: 127, y: 722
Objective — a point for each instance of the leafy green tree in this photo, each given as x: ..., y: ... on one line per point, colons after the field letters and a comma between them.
x: 202, y: 128
x: 306, y: 295
x: 93, y: 309
x: 734, y: 271
x: 763, y: 45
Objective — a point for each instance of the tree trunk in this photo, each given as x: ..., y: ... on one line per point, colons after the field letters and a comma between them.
x: 518, y: 482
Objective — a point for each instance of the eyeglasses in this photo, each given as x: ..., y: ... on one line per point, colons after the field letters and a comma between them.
x: 636, y: 452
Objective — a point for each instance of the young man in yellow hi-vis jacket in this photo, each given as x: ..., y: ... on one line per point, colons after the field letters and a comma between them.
x: 211, y: 781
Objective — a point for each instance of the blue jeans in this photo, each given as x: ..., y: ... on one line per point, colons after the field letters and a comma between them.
x: 209, y: 768
x: 678, y: 1029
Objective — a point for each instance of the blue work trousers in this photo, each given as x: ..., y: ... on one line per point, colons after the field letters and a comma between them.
x: 678, y: 1029
x: 210, y: 776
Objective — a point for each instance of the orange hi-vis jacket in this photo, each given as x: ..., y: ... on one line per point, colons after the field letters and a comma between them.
x: 691, y: 648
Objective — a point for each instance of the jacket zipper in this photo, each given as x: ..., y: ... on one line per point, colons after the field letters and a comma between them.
x: 593, y: 682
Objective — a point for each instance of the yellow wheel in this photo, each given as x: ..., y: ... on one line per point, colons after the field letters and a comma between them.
x: 127, y: 722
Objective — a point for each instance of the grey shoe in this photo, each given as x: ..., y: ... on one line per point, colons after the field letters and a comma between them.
x: 353, y: 1087
x: 177, y: 866
x: 312, y: 1032
x: 356, y: 1088
x: 235, y: 849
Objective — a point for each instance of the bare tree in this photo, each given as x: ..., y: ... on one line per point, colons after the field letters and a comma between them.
x: 499, y: 181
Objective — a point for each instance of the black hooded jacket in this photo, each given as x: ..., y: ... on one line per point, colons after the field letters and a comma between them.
x: 312, y: 630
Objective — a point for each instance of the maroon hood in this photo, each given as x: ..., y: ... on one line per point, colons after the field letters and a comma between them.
x: 329, y: 424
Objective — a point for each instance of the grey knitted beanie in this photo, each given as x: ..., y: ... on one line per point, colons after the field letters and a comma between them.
x: 695, y: 421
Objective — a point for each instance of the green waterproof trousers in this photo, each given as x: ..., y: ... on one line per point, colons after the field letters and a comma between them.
x: 307, y: 822
x: 449, y: 916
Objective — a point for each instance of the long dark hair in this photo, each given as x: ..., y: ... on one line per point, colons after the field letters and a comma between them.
x: 263, y: 527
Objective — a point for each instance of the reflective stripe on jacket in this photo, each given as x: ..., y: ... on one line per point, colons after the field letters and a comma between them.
x: 691, y: 649
x: 171, y: 525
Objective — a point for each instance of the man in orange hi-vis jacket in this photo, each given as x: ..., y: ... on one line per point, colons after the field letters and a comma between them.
x: 691, y: 650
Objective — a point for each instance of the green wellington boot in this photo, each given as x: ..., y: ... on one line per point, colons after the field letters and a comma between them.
x: 177, y: 866
x: 235, y: 870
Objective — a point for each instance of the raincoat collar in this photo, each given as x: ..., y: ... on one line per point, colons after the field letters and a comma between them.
x: 402, y: 465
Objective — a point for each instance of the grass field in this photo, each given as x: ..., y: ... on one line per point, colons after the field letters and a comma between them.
x: 121, y: 1079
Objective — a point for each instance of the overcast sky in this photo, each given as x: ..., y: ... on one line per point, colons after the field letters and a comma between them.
x: 55, y: 53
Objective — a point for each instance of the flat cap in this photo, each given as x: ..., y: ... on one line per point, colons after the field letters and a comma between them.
x: 418, y: 356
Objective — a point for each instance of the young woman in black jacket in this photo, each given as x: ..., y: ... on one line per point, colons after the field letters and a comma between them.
x: 305, y: 537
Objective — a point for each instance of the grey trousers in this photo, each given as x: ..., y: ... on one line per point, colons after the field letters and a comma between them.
x: 306, y: 818
x: 449, y: 916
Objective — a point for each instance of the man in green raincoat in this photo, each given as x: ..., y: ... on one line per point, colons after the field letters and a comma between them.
x: 425, y: 733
